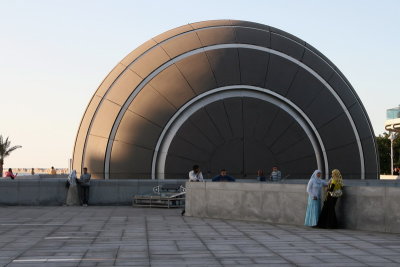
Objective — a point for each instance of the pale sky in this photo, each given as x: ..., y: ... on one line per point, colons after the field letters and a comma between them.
x: 55, y: 53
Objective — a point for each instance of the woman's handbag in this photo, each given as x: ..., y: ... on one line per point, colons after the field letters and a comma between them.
x: 336, y: 193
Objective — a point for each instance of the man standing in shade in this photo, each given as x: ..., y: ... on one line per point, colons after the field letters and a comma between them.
x: 195, y: 175
x: 223, y: 177
x: 84, y: 182
x: 275, y: 174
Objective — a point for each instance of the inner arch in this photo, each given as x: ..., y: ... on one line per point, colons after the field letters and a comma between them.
x: 233, y: 141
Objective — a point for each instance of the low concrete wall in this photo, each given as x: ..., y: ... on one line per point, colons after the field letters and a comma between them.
x: 364, y: 207
x: 33, y: 191
x: 372, y: 208
x: 52, y: 191
x: 37, y: 176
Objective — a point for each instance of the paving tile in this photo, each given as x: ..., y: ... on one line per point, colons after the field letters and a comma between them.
x: 301, y: 259
x: 352, y: 252
x: 372, y: 259
x: 122, y: 236
x: 333, y: 264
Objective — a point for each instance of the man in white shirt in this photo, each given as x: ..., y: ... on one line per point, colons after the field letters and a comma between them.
x: 195, y: 174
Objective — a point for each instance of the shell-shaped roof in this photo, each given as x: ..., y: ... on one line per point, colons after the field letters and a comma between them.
x: 225, y: 94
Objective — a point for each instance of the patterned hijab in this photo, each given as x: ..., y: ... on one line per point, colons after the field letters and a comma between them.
x: 337, y: 179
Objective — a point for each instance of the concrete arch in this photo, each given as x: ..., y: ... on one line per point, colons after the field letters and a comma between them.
x: 127, y: 114
x: 184, y: 113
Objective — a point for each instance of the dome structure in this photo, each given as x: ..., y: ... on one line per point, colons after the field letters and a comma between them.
x: 225, y: 94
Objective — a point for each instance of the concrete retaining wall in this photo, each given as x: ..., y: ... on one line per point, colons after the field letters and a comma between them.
x: 363, y: 207
x: 33, y: 191
x: 52, y: 191
x: 366, y: 205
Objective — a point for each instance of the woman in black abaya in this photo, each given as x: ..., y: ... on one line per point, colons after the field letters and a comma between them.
x: 327, y: 218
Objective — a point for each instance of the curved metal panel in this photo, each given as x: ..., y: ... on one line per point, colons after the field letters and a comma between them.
x: 173, y: 68
x: 225, y: 46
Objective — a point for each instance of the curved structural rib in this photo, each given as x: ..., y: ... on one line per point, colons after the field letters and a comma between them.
x: 180, y: 117
x: 125, y: 123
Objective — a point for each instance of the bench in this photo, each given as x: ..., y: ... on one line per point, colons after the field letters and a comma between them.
x: 162, y: 198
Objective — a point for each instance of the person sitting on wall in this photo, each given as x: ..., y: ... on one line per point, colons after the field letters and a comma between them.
x: 275, y: 174
x: 53, y: 171
x: 223, y: 177
x: 396, y: 171
x: 195, y: 174
x: 10, y: 174
x: 260, y: 176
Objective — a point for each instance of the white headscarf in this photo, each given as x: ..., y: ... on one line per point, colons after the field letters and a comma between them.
x: 72, y: 178
x: 315, y: 184
x: 315, y: 177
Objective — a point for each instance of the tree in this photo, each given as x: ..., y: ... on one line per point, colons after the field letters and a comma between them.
x: 396, y: 151
x: 5, y: 150
x: 383, y: 143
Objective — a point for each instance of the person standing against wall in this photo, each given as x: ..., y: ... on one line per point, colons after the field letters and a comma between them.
x: 327, y: 219
x: 314, y: 187
x: 72, y: 195
x: 84, y: 182
x: 195, y: 174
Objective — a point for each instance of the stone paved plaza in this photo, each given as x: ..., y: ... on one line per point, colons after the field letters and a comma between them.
x: 126, y: 236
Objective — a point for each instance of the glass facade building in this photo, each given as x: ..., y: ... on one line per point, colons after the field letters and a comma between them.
x: 393, y: 113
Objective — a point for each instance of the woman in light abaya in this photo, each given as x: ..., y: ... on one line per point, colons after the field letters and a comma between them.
x: 314, y: 187
x: 72, y: 196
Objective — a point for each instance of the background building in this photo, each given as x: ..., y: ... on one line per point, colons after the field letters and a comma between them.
x: 392, y: 124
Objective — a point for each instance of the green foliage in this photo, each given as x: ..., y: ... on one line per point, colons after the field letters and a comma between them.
x: 383, y: 143
x: 5, y: 148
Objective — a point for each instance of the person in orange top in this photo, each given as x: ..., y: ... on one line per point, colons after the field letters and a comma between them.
x: 53, y: 171
x: 10, y: 174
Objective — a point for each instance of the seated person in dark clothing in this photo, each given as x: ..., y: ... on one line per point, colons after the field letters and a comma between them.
x: 260, y: 176
x: 223, y: 177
